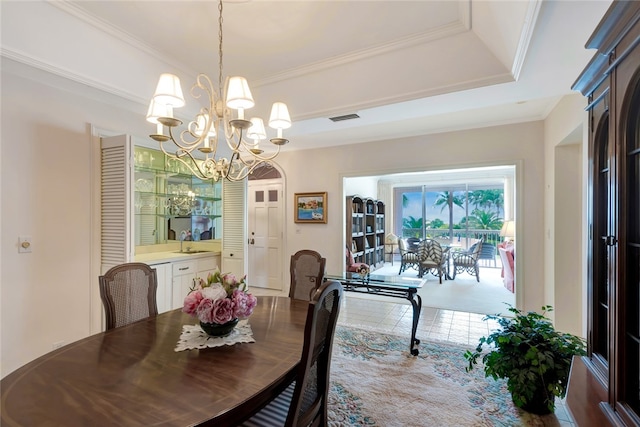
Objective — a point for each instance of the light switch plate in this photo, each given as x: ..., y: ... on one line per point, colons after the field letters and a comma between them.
x: 24, y: 244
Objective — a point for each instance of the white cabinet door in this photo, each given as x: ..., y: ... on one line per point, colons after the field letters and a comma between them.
x: 181, y: 286
x: 207, y: 265
x: 164, y: 293
x: 183, y: 274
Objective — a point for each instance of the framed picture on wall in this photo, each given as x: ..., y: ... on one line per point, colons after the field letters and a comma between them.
x: 310, y: 208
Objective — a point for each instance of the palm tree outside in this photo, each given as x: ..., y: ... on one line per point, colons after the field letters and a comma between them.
x: 447, y: 199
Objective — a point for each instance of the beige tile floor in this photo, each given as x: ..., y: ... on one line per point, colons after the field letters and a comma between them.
x: 434, y: 324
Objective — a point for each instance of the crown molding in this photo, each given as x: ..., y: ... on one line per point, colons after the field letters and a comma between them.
x: 444, y: 31
x: 406, y: 97
x: 119, y: 34
x: 525, y: 37
x: 30, y: 61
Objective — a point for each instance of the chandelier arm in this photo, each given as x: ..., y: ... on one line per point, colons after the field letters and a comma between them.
x: 244, y: 146
x: 188, y: 146
x: 259, y: 157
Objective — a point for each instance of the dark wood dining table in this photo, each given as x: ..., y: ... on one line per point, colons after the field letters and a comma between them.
x: 132, y: 375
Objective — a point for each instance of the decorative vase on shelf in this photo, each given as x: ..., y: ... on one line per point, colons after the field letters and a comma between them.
x: 219, y: 329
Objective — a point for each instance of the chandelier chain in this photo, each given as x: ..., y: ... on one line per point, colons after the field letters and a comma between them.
x: 220, y: 46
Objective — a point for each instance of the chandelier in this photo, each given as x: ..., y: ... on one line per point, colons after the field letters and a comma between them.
x: 214, y: 122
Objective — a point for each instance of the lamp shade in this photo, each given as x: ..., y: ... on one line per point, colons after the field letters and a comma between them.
x: 508, y: 229
x: 157, y: 110
x: 279, y: 118
x: 238, y: 94
x: 256, y: 131
x: 169, y: 91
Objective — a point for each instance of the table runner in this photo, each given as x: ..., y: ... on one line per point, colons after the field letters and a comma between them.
x: 193, y: 337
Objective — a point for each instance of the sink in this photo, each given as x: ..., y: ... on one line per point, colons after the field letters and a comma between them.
x: 195, y: 251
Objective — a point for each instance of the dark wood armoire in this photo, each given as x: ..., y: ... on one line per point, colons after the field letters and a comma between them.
x: 604, y: 386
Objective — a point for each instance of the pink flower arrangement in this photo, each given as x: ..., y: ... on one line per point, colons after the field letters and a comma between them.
x: 219, y: 299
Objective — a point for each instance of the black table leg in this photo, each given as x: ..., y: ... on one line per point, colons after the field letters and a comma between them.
x: 416, y: 304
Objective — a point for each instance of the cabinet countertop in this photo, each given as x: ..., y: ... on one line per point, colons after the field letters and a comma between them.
x: 160, y: 257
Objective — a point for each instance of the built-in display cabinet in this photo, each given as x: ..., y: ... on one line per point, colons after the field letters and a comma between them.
x: 365, y: 230
x: 170, y: 202
x: 147, y: 201
x: 604, y: 387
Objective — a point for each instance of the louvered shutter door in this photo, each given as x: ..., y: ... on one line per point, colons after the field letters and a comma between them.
x: 234, y: 227
x: 116, y: 201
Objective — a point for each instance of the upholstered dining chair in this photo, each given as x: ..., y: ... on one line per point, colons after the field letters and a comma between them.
x: 355, y: 267
x: 307, y: 270
x: 128, y: 293
x: 468, y: 261
x: 506, y: 257
x: 431, y: 257
x: 304, y: 402
x: 408, y: 258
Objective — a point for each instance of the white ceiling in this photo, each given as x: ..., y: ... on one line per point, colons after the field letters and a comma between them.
x: 405, y: 67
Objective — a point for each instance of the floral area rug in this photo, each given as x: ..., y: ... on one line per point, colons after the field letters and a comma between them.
x: 376, y: 382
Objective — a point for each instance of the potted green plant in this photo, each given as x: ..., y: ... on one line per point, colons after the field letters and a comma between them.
x: 533, y: 357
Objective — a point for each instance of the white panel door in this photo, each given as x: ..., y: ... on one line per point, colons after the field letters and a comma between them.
x: 265, y: 210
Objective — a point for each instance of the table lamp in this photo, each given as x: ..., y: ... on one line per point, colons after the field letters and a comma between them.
x: 508, y: 230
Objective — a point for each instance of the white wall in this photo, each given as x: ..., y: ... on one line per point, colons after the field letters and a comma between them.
x: 48, y: 295
x: 565, y: 239
x: 512, y: 144
x: 360, y: 186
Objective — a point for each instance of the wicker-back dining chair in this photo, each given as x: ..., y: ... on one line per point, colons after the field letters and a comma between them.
x: 307, y: 270
x: 128, y: 293
x: 304, y: 402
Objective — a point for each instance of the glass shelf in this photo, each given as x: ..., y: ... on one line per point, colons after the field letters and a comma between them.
x: 168, y: 199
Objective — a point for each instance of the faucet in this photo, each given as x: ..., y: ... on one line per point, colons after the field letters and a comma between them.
x: 183, y: 237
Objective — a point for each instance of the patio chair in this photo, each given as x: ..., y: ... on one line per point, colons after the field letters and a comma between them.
x: 408, y: 258
x: 488, y: 253
x: 431, y: 257
x: 413, y: 243
x: 468, y: 261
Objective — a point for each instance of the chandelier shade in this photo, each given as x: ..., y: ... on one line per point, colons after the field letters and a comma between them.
x: 238, y: 94
x: 257, y: 131
x: 169, y: 92
x: 280, y: 118
x: 222, y: 118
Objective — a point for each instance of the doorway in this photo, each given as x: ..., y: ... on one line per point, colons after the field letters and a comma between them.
x: 472, y: 220
x: 265, y: 208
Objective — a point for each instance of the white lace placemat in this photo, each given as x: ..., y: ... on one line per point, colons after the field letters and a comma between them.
x: 193, y: 337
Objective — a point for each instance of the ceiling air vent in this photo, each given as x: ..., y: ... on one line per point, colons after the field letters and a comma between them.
x: 345, y: 117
